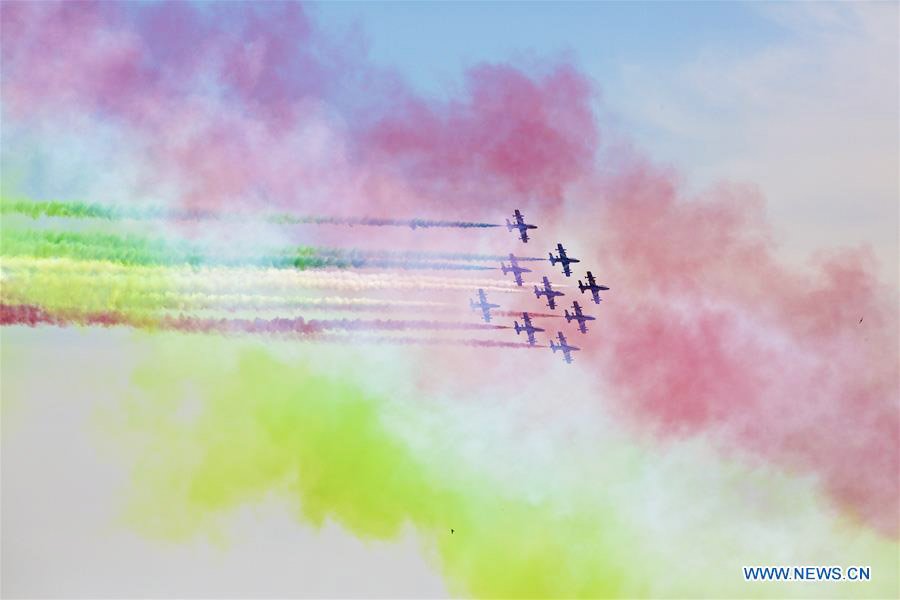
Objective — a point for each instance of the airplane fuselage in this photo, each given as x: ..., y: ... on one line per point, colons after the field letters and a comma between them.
x: 592, y: 286
x: 582, y: 321
x: 579, y: 316
x: 550, y: 295
x: 528, y: 328
x: 549, y: 292
x: 515, y: 269
x: 564, y: 347
x: 521, y: 225
x: 564, y: 260
x: 483, y: 305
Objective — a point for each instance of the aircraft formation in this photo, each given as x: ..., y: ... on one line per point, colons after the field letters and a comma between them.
x: 546, y: 291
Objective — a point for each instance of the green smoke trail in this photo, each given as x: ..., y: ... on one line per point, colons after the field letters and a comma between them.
x: 82, y: 210
x: 270, y: 426
x: 142, y: 251
x: 122, y: 249
x: 325, y: 445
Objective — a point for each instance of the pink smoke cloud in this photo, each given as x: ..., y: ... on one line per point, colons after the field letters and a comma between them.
x: 709, y: 330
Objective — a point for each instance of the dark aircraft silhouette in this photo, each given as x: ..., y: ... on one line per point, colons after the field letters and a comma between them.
x: 514, y: 268
x: 548, y: 292
x: 528, y: 328
x: 521, y: 225
x: 483, y: 305
x: 592, y: 285
x: 578, y: 316
x: 565, y: 347
x: 563, y: 259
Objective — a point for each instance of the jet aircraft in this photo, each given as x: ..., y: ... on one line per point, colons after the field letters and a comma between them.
x: 548, y: 292
x: 564, y: 260
x: 514, y: 268
x: 521, y: 225
x: 483, y: 305
x: 592, y: 285
x: 528, y: 328
x: 564, y: 346
x: 579, y: 316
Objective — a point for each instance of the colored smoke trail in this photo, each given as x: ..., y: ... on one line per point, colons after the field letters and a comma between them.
x: 33, y: 315
x: 235, y: 302
x: 427, y: 341
x: 373, y: 222
x: 416, y: 255
x: 115, y: 213
x: 360, y: 324
x: 400, y: 264
x: 504, y: 545
x: 518, y: 313
x: 135, y: 250
x: 60, y: 274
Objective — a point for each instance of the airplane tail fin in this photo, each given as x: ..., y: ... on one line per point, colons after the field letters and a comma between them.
x: 509, y: 226
x: 568, y: 317
x: 553, y: 259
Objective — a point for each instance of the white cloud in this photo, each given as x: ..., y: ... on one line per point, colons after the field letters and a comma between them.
x: 811, y: 118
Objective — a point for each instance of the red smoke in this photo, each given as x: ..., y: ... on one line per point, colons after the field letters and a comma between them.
x: 512, y: 136
x: 705, y: 329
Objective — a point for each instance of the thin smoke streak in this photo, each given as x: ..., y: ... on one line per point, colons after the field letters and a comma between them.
x: 406, y: 341
x: 170, y: 300
x: 285, y: 219
x: 408, y: 265
x: 518, y: 313
x: 368, y: 306
x: 97, y: 211
x: 358, y: 324
x: 33, y: 315
x: 221, y: 278
x: 420, y: 255
x: 139, y: 250
x: 235, y: 302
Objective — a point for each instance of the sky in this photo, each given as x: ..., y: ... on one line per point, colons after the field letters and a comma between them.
x: 202, y: 398
x: 796, y: 98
